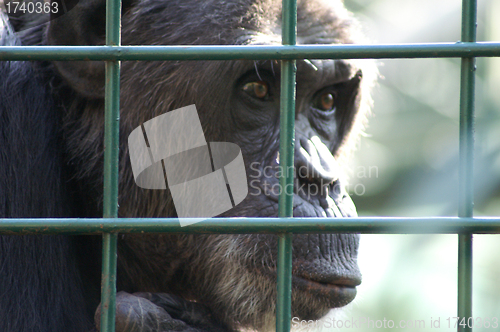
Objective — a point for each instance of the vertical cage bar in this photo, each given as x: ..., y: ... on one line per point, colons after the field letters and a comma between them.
x: 466, y: 175
x: 284, y: 301
x: 111, y: 151
x: 287, y: 148
x: 108, y: 282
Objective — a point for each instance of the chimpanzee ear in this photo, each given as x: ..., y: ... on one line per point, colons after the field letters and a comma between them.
x: 80, y: 22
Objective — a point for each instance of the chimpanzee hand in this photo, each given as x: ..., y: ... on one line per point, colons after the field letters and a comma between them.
x: 160, y: 312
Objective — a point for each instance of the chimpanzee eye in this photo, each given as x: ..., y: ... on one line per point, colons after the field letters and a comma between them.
x: 325, y: 102
x: 258, y: 89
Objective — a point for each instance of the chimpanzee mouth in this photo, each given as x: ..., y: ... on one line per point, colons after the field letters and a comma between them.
x: 336, y: 293
x: 332, y: 290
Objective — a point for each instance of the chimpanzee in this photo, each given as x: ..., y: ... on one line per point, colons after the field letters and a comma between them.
x: 51, y: 165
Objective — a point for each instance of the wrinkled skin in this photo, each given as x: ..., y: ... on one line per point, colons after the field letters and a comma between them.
x: 232, y: 278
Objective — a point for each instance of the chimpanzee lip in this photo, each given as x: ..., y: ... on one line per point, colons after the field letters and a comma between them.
x: 334, y: 291
x: 339, y: 282
x: 337, y: 292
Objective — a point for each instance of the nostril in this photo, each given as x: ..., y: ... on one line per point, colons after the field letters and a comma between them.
x: 303, y: 172
x: 314, y: 163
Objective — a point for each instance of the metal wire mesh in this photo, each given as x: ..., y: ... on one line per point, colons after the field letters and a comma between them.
x: 465, y: 225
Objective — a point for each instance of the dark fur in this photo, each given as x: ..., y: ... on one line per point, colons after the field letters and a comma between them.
x: 34, y: 270
x: 51, y: 135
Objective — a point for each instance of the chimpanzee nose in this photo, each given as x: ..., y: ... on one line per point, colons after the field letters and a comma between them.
x: 314, y: 162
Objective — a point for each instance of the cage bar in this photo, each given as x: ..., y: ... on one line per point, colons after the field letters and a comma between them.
x: 466, y: 167
x: 286, y: 160
x: 465, y: 225
x: 260, y: 52
x: 111, y: 152
x: 228, y: 225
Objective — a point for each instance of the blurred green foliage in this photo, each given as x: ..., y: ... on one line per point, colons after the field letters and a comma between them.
x: 407, y: 165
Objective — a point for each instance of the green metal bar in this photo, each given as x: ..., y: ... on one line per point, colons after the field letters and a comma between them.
x: 284, y: 299
x: 287, y: 136
x: 466, y: 168
x: 287, y: 150
x: 108, y: 282
x: 465, y: 280
x: 111, y: 171
x: 467, y: 86
x: 260, y: 52
x: 289, y: 22
x: 372, y: 225
x: 111, y: 139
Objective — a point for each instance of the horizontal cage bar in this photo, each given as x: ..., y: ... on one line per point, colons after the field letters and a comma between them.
x: 261, y: 52
x: 372, y: 225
